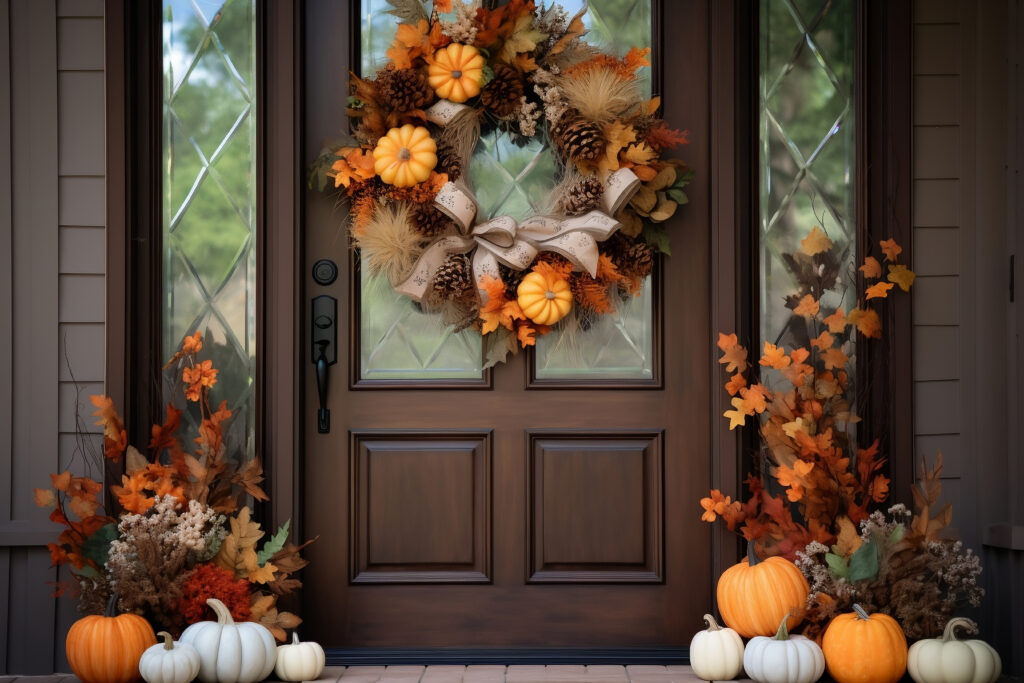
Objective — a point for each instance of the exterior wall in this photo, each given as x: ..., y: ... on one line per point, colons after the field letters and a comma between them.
x: 52, y: 254
x: 965, y: 348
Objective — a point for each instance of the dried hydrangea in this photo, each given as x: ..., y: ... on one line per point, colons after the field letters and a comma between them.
x: 527, y: 116
x: 464, y: 28
x: 550, y: 94
x: 155, y: 548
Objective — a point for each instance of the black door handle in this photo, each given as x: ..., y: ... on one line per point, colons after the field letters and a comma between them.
x: 325, y: 343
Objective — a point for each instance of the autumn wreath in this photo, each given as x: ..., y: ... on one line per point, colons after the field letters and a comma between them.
x: 464, y: 70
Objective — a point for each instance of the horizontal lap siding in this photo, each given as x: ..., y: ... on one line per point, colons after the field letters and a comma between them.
x: 52, y: 295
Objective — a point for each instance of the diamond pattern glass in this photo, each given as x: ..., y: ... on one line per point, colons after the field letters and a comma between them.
x: 512, y: 180
x: 807, y: 146
x: 209, y: 197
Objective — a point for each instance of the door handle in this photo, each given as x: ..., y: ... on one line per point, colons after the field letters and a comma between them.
x: 325, y: 343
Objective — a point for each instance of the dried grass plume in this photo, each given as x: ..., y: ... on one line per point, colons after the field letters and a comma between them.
x: 601, y: 94
x: 389, y: 243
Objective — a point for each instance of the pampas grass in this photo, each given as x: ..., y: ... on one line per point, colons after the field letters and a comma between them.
x: 389, y: 244
x: 462, y: 133
x: 600, y: 94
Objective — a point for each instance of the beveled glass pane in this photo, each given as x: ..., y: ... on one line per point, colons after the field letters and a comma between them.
x: 209, y: 196
x: 808, y: 146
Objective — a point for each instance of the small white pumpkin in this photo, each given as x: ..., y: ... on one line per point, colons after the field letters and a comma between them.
x: 230, y: 652
x: 948, y: 660
x: 169, y: 662
x: 716, y: 654
x: 783, y: 658
x: 299, y: 661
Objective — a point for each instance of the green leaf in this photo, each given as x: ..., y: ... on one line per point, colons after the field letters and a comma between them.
x: 837, y: 565
x: 678, y: 196
x: 409, y: 11
x: 683, y: 180
x: 488, y: 74
x: 897, y: 534
x: 656, y: 235
x: 864, y: 563
x: 97, y: 546
x: 274, y: 544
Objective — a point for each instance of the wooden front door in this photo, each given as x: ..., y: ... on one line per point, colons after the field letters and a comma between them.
x: 538, y: 504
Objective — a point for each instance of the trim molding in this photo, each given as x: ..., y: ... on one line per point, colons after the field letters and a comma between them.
x: 507, y: 656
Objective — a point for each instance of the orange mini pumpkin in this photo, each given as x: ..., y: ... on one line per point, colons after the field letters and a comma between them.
x: 544, y: 297
x: 754, y: 597
x: 405, y: 156
x: 456, y: 72
x: 107, y: 649
x: 859, y: 647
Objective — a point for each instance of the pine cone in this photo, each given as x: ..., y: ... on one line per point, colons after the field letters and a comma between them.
x: 502, y: 94
x: 429, y: 221
x: 454, y: 278
x: 447, y: 160
x: 580, y: 139
x: 404, y: 89
x: 639, y: 260
x: 511, y: 277
x: 582, y: 197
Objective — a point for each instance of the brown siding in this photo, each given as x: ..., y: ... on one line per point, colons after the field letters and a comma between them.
x: 51, y: 296
x: 963, y: 318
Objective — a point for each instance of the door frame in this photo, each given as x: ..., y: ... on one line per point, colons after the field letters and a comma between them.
x: 134, y: 250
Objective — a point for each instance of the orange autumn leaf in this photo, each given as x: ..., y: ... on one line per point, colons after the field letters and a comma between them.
x: 525, y: 335
x: 410, y: 42
x: 737, y: 416
x: 660, y: 137
x: 816, y: 242
x: 192, y: 345
x: 871, y: 268
x: 443, y: 5
x: 799, y: 355
x: 891, y: 249
x: 879, y: 290
x: 734, y: 356
x: 902, y: 276
x: 879, y: 489
x: 755, y: 399
x: 202, y: 375
x: 45, y: 498
x: 132, y: 494
x: 836, y: 322
x: 115, y: 436
x: 735, y: 383
x: 61, y: 481
x: 834, y: 358
x: 823, y: 341
x: 774, y: 356
x: 867, y: 322
x: 808, y: 307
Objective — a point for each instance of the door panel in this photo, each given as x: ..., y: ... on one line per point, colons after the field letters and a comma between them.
x: 527, y: 510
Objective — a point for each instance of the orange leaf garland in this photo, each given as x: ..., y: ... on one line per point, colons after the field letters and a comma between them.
x: 734, y: 356
x: 890, y: 249
x: 867, y: 322
x: 879, y: 290
x: 836, y: 322
x: 815, y: 243
x: 871, y: 268
x: 735, y: 383
x: 774, y: 357
x: 902, y: 276
x: 808, y: 307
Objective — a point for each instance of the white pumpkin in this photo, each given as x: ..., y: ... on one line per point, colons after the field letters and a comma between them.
x: 169, y: 662
x: 783, y: 658
x: 717, y: 653
x: 299, y: 661
x: 230, y: 652
x: 948, y: 660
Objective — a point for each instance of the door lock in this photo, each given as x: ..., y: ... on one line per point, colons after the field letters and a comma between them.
x: 325, y: 352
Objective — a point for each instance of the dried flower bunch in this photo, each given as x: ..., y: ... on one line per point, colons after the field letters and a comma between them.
x: 183, y: 534
x: 527, y: 72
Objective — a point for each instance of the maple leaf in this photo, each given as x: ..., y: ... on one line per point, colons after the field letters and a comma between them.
x: 823, y: 341
x: 902, y: 276
x: 45, y: 498
x: 867, y: 322
x: 735, y: 383
x: 879, y: 290
x: 879, y: 489
x: 734, y: 356
x: 254, y: 572
x: 815, y: 243
x: 836, y: 322
x: 411, y: 41
x: 738, y: 416
x: 754, y: 399
x: 572, y: 32
x: 871, y: 268
x: 660, y: 136
x: 61, y: 481
x: 249, y: 478
x: 244, y: 535
x: 524, y: 333
x: 834, y: 358
x: 808, y: 307
x: 264, y: 611
x: 131, y: 494
x: 618, y: 135
x: 524, y: 38
x: 890, y: 249
x: 192, y: 345
x: 640, y: 154
x: 848, y: 540
x: 774, y: 356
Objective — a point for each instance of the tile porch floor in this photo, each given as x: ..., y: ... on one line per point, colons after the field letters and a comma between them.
x: 469, y: 674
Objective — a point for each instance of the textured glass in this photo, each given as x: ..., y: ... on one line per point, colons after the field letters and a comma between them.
x: 807, y: 147
x: 513, y: 180
x: 209, y: 196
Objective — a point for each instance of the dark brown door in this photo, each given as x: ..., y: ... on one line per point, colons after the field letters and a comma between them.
x: 551, y: 501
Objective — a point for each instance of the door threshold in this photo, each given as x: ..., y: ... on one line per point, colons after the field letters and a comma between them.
x: 623, y: 656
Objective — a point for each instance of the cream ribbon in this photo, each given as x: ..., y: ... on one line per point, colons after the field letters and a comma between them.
x: 502, y: 240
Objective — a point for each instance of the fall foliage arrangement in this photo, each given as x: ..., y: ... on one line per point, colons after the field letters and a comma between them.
x: 184, y: 533
x: 527, y: 72
x: 815, y: 495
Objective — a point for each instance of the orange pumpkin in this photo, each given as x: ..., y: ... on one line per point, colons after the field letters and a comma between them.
x: 544, y: 297
x: 754, y: 597
x: 405, y: 156
x: 859, y: 647
x: 107, y: 649
x: 456, y: 72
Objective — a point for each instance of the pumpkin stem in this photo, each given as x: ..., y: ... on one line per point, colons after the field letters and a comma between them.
x: 783, y: 632
x: 752, y: 557
x: 111, y: 610
x: 295, y: 637
x: 712, y: 624
x: 949, y: 633
x: 221, y: 610
x: 168, y: 640
x: 861, y: 613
